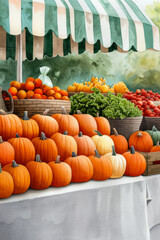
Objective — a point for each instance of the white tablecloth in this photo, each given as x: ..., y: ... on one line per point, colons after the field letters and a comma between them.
x: 109, y: 210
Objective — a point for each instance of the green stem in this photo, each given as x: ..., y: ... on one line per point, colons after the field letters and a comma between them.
x: 1, y: 139
x: 113, y: 151
x: 132, y: 150
x: 25, y: 115
x: 38, y: 158
x: 154, y: 129
x: 43, y: 136
x: 0, y: 168
x: 98, y: 133
x: 80, y: 134
x: 63, y: 110
x: 74, y: 154
x: 97, y: 114
x: 97, y: 154
x: 17, y: 135
x: 79, y: 112
x: 58, y: 159
x: 65, y: 133
x: 157, y: 144
x: 14, y: 164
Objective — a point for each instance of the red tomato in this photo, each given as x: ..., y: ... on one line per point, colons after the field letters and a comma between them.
x: 148, y: 112
x: 138, y: 91
x: 158, y: 107
x: 150, y: 91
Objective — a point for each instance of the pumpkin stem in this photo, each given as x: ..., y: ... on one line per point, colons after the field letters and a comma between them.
x: 1, y: 139
x: 17, y: 135
x: 132, y: 150
x: 97, y: 154
x: 2, y: 112
x: 74, y: 154
x: 115, y: 132
x: 79, y: 112
x: 0, y: 168
x: 98, y: 133
x: 38, y: 158
x: 58, y: 159
x: 46, y: 112
x: 113, y: 151
x: 157, y: 144
x: 14, y: 164
x: 139, y: 134
x: 63, y: 110
x: 97, y: 114
x: 25, y: 115
x: 80, y: 134
x: 154, y: 129
x: 65, y: 133
x: 43, y: 136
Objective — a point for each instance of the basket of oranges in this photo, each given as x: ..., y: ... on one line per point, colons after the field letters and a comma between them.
x: 35, y: 97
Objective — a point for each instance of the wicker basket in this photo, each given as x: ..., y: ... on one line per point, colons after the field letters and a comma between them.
x: 38, y: 106
x: 149, y: 122
x: 126, y: 126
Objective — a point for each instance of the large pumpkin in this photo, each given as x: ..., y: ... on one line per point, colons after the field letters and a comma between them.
x: 87, y: 123
x: 156, y: 148
x: 24, y: 149
x: 20, y: 175
x: 65, y: 144
x: 141, y: 141
x: 155, y: 135
x: 67, y: 123
x: 102, y: 168
x: 30, y: 127
x: 40, y: 174
x: 9, y: 125
x: 46, y: 124
x: 120, y: 142
x: 103, y: 143
x: 82, y: 168
x: 118, y: 163
x: 6, y: 152
x: 45, y: 147
x: 6, y: 184
x: 103, y: 125
x: 85, y: 145
x: 62, y: 173
x: 136, y: 163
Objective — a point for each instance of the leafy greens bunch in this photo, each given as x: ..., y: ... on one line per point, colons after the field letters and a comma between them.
x: 111, y: 106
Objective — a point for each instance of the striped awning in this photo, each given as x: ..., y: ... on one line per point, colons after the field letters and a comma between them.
x: 51, y: 27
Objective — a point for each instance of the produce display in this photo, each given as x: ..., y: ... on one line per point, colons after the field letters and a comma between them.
x: 35, y: 89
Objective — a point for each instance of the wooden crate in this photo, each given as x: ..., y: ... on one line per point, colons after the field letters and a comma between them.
x: 38, y: 106
x: 152, y: 163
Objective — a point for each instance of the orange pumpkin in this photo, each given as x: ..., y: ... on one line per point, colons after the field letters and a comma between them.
x: 136, y: 163
x: 156, y: 148
x: 6, y: 184
x: 21, y: 94
x: 30, y: 79
x: 6, y: 152
x: 29, y: 86
x: 40, y: 174
x: 57, y: 95
x: 37, y: 96
x: 56, y: 89
x: 13, y: 124
x: 38, y: 91
x: 120, y: 142
x: 65, y: 144
x: 62, y: 173
x: 15, y: 84
x: 13, y: 91
x: 66, y: 123
x: 103, y: 125
x: 46, y: 124
x: 30, y: 127
x: 85, y: 145
x: 20, y: 175
x: 45, y: 147
x: 63, y: 93
x: 82, y: 168
x: 87, y: 123
x: 29, y: 94
x: 141, y: 141
x: 102, y: 168
x: 24, y: 149
x: 38, y: 83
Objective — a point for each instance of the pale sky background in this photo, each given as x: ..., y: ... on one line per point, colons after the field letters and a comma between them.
x: 146, y: 2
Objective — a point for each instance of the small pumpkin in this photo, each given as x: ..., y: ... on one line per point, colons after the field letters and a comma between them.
x: 30, y: 127
x: 156, y: 148
x: 85, y: 145
x: 118, y: 163
x: 136, y: 163
x: 24, y: 149
x: 40, y: 174
x: 13, y: 124
x: 6, y: 152
x: 82, y: 168
x: 6, y: 184
x: 120, y: 142
x: 102, y: 167
x: 20, y: 175
x: 46, y: 124
x: 141, y: 141
x: 103, y: 125
x: 65, y: 144
x: 45, y: 147
x: 103, y: 143
x: 62, y: 173
x: 66, y: 123
x: 155, y: 135
x: 87, y: 123
x: 71, y: 89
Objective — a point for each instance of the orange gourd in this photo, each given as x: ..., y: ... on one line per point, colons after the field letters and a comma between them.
x: 6, y: 152
x: 141, y: 141
x: 156, y: 148
x: 6, y: 184
x: 30, y: 127
x: 120, y: 142
x: 85, y: 145
x: 103, y: 125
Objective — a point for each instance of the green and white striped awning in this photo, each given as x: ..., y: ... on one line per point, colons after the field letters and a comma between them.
x: 51, y: 27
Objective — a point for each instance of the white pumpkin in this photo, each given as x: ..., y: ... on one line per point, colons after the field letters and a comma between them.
x: 118, y: 163
x: 103, y: 143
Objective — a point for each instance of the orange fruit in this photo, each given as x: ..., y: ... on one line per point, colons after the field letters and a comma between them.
x: 50, y: 98
x: 38, y: 83
x: 57, y: 95
x: 63, y: 93
x: 13, y: 91
x: 22, y: 86
x: 39, y: 91
x: 30, y: 79
x: 46, y: 89
x: 15, y: 97
x: 21, y: 94
x: 50, y: 93
x: 29, y: 94
x: 37, y: 96
x: 43, y: 86
x: 44, y: 97
x: 29, y: 86
x: 15, y: 84
x: 7, y: 98
x: 56, y: 89
x: 65, y: 98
